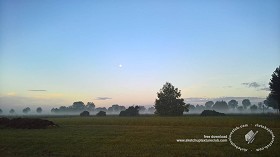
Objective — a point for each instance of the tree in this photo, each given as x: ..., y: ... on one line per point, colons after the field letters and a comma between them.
x: 1, y: 111
x: 90, y: 106
x: 78, y: 106
x: 12, y: 111
x: 54, y: 110
x: 232, y: 104
x: 271, y: 102
x: 39, y: 110
x: 101, y: 114
x: 169, y: 102
x: 260, y: 105
x: 220, y: 106
x: 116, y: 108
x: 246, y: 103
x: 240, y: 108
x: 26, y: 110
x: 209, y: 104
x: 253, y: 108
x: 63, y: 109
x: 142, y: 109
x: 131, y: 111
x: 274, y: 86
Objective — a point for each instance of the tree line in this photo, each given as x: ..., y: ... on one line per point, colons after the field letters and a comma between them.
x: 231, y: 106
x: 169, y: 103
x: 79, y: 106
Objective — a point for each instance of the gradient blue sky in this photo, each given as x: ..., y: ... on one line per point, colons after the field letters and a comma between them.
x: 73, y: 49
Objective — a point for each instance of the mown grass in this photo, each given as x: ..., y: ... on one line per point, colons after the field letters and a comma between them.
x: 133, y: 136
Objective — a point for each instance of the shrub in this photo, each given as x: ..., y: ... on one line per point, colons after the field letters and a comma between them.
x: 131, y: 111
x: 84, y: 114
x: 101, y: 113
x: 211, y: 113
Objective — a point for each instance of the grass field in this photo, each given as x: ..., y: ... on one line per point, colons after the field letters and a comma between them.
x: 135, y: 136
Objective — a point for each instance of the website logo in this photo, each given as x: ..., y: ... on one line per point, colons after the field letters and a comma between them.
x: 261, y: 138
x: 250, y: 136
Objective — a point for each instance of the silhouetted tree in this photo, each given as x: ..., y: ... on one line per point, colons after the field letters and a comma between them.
x: 274, y: 86
x: 220, y: 106
x: 240, y: 108
x: 54, y: 110
x: 62, y: 109
x: 246, y: 103
x: 209, y: 104
x: 1, y: 111
x: 232, y: 104
x: 271, y: 102
x: 260, y: 105
x: 169, y: 102
x: 253, y: 108
x: 12, y: 111
x: 78, y: 106
x: 131, y: 111
x: 142, y: 109
x: 101, y: 114
x: 39, y: 110
x: 26, y: 110
x: 90, y: 106
x: 84, y: 114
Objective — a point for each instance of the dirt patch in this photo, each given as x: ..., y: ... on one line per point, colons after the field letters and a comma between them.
x: 26, y: 123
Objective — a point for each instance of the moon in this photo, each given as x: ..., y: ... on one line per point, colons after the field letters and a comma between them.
x: 120, y: 66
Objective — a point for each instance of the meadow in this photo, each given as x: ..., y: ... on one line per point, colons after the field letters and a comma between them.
x: 134, y: 136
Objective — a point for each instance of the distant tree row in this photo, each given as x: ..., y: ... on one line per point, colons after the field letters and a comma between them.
x: 78, y: 107
x: 232, y: 105
x: 114, y: 109
x: 75, y: 107
x: 25, y: 110
x: 129, y: 112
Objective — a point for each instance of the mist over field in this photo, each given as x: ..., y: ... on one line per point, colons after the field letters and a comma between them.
x: 197, y: 106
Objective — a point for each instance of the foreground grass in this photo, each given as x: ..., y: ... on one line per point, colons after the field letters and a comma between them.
x: 136, y: 136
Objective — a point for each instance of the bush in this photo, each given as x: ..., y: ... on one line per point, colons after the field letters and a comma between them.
x: 211, y: 113
x: 84, y: 114
x: 131, y: 111
x: 101, y: 113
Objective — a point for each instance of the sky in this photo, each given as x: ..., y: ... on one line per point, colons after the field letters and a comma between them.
x: 122, y: 52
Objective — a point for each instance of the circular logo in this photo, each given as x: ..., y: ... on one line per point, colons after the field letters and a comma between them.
x: 251, y: 137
